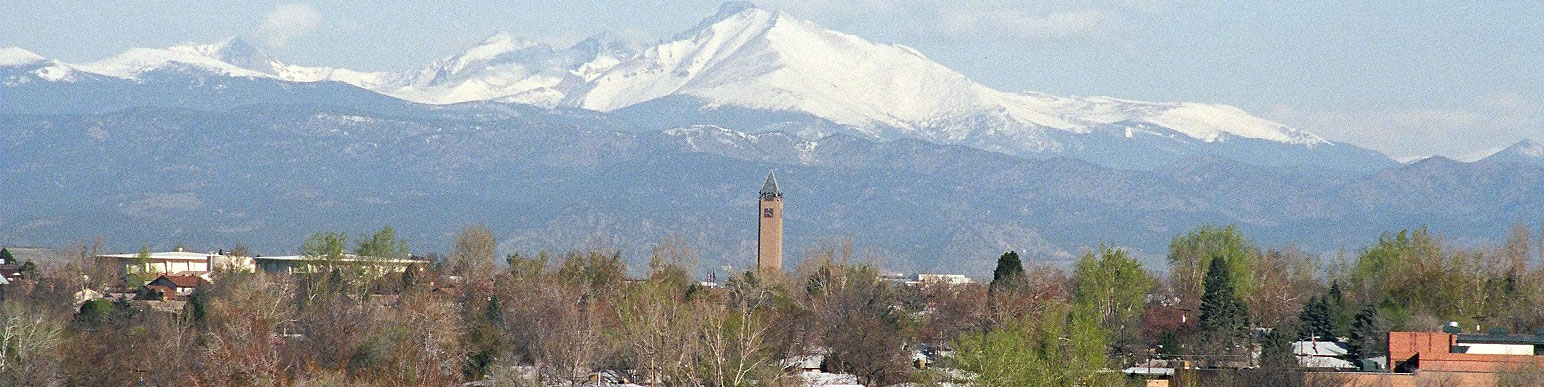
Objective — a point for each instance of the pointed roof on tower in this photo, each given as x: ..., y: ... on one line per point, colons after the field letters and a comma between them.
x: 770, y: 187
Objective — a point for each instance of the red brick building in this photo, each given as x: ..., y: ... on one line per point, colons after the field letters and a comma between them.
x: 1436, y: 351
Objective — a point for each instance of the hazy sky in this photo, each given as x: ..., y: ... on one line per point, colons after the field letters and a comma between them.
x: 1423, y: 78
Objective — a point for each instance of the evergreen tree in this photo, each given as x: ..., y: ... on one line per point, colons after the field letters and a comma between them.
x: 482, y: 339
x: 93, y: 313
x: 6, y: 257
x: 1337, y: 313
x: 1276, y: 350
x: 29, y: 271
x: 1224, y: 320
x: 1278, y: 365
x: 1009, y: 269
x: 1316, y: 321
x: 1368, y: 336
x: 409, y: 275
x: 1190, y: 255
x: 1335, y: 298
x: 1307, y: 320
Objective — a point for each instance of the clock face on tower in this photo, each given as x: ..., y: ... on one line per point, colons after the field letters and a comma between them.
x: 766, y: 212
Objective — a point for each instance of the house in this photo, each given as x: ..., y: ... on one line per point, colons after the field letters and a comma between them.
x: 1469, y: 353
x: 1321, y: 355
x: 178, y: 285
x: 803, y: 363
x: 10, y: 272
x: 167, y: 293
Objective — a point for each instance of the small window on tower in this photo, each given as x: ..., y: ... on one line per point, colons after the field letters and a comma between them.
x: 766, y: 212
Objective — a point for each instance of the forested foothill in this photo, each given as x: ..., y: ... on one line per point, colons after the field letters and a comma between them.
x: 579, y: 318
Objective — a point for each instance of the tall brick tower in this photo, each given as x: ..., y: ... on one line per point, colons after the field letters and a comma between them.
x: 769, y: 242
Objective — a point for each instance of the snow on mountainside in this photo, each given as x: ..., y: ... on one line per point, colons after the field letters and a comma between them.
x: 501, y: 68
x: 210, y: 58
x: 230, y: 57
x: 33, y: 67
x: 760, y: 59
x: 508, y: 69
x: 1526, y: 151
x: 15, y: 56
x: 766, y: 65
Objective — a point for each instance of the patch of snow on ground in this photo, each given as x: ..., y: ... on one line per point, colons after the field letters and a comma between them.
x: 818, y: 378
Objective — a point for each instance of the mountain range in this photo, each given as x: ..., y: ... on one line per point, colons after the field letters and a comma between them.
x: 618, y: 143
x: 744, y: 68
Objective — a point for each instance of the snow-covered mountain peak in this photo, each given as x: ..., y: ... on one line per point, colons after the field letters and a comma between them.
x: 1526, y: 151
x: 1526, y: 148
x: 17, y: 56
x: 760, y: 59
x: 743, y: 10
x: 510, y: 69
x: 749, y: 69
x: 235, y: 51
x: 491, y: 49
x: 230, y: 47
x: 210, y: 58
x: 21, y: 66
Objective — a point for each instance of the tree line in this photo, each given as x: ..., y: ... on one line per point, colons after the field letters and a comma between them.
x: 576, y: 317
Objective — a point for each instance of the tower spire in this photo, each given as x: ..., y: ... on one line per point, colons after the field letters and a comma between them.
x: 770, y: 189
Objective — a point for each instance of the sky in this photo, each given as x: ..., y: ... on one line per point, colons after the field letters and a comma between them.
x: 1410, y: 79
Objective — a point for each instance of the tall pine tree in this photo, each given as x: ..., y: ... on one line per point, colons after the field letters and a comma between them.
x: 1339, y: 313
x: 1224, y: 321
x: 1316, y: 321
x: 1009, y: 270
x: 1368, y: 336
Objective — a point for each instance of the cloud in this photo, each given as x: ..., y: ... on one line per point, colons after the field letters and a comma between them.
x: 1413, y: 132
x: 288, y: 21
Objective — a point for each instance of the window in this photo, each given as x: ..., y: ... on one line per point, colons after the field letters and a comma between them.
x: 766, y: 212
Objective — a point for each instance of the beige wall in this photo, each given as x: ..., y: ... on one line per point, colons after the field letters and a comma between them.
x: 769, y: 245
x: 156, y: 266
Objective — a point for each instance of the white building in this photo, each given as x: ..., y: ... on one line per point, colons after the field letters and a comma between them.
x: 290, y: 264
x: 949, y: 279
x: 1321, y: 354
x: 169, y: 262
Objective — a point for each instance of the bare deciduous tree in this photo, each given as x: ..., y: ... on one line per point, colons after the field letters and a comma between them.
x: 28, y: 346
x: 472, y: 255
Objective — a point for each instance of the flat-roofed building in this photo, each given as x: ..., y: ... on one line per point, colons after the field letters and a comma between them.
x: 291, y: 264
x: 1435, y: 351
x: 178, y: 261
